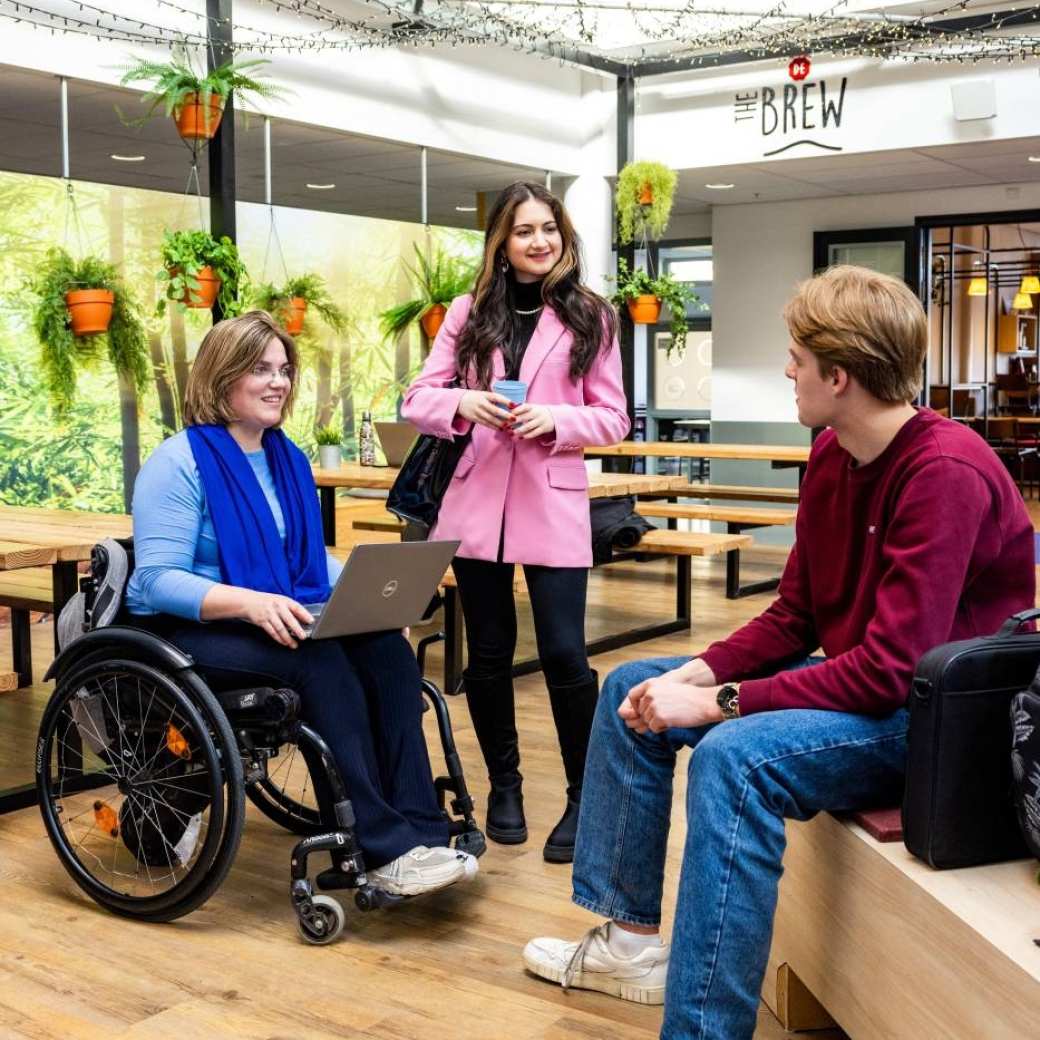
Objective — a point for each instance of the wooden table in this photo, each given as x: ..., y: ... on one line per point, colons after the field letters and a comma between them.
x: 61, y: 538
x: 38, y: 537
x: 796, y: 454
x: 601, y: 485
x: 351, y: 475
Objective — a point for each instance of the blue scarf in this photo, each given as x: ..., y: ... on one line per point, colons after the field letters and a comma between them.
x: 252, y: 555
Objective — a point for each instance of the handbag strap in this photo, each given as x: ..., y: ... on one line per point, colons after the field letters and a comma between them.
x: 1016, y: 621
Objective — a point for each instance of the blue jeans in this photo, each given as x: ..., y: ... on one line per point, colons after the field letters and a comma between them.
x: 745, y: 778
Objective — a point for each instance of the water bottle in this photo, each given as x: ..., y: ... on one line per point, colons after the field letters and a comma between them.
x: 366, y: 441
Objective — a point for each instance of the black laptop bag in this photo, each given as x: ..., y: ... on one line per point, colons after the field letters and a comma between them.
x: 958, y: 805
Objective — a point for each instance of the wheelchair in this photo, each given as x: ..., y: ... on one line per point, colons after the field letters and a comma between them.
x: 143, y: 768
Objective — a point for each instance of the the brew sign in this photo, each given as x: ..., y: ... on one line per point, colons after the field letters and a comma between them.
x: 802, y: 107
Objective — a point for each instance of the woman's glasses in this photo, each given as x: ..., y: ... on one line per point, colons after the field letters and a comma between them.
x: 265, y: 371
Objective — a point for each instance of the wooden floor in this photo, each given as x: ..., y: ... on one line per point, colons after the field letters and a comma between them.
x: 444, y: 966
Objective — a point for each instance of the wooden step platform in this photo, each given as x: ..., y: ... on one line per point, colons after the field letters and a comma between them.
x: 872, y: 938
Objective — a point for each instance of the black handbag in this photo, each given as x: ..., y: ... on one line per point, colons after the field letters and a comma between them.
x: 424, y: 477
x: 958, y: 804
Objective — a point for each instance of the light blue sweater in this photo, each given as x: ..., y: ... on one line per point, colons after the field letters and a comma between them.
x: 175, y: 547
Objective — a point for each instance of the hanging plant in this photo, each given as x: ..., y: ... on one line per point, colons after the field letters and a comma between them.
x: 74, y: 331
x: 196, y: 101
x: 198, y: 270
x: 644, y: 296
x: 288, y: 304
x: 643, y: 200
x: 439, y: 280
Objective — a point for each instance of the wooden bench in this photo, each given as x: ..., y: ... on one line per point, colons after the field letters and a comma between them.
x: 744, y: 493
x: 683, y: 545
x: 871, y: 938
x: 24, y: 590
x: 737, y: 520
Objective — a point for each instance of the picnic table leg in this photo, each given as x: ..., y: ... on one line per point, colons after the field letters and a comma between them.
x: 328, y: 514
x: 734, y: 590
x: 64, y: 585
x: 21, y: 644
x: 683, y: 583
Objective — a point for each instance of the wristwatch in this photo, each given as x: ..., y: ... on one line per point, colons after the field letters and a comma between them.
x: 728, y: 700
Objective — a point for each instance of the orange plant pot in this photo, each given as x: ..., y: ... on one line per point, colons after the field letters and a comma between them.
x: 205, y: 296
x: 196, y: 121
x: 645, y: 310
x: 433, y: 319
x: 90, y: 310
x: 646, y: 195
x: 294, y: 315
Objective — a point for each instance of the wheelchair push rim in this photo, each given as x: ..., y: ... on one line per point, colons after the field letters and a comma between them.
x: 132, y: 789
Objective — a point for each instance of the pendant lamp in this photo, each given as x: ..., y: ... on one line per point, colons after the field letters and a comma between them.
x: 1030, y: 284
x: 1022, y: 302
x: 977, y: 286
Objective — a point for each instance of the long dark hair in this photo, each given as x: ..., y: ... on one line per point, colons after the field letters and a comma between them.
x: 589, y: 318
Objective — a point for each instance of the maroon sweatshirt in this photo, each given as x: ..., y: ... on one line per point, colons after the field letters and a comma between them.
x: 928, y: 543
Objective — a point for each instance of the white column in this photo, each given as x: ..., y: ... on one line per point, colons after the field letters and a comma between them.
x: 589, y: 203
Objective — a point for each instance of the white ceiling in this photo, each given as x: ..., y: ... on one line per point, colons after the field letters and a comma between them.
x: 907, y: 169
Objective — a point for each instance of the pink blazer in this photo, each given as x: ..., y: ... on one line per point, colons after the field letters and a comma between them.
x: 533, y: 492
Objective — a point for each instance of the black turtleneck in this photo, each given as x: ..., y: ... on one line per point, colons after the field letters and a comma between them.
x: 523, y: 296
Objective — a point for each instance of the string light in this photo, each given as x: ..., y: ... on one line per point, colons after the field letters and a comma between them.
x: 681, y: 34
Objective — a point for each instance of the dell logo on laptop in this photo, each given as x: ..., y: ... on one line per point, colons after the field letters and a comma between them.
x: 389, y: 588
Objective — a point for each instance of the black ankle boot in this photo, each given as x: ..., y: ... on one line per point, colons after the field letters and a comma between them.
x: 505, y: 813
x: 573, y: 708
x: 559, y: 846
x: 490, y: 703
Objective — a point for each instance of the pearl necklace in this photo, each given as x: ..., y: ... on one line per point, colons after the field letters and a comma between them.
x: 534, y: 311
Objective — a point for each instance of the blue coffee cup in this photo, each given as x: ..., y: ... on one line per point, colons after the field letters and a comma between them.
x: 514, y: 389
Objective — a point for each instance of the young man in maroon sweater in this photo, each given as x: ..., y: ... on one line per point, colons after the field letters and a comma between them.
x: 910, y: 533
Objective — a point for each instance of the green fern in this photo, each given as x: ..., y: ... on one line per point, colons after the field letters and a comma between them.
x: 173, y: 81
x: 63, y: 354
x: 309, y: 287
x: 438, y: 279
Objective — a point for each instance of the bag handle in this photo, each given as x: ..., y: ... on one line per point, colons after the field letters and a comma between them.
x: 1016, y: 621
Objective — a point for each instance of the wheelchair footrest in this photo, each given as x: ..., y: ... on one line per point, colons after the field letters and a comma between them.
x: 337, y: 877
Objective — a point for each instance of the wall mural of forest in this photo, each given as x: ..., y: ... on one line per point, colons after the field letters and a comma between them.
x: 82, y: 458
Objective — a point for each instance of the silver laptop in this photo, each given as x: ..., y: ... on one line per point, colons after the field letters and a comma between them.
x: 396, y: 438
x: 383, y: 586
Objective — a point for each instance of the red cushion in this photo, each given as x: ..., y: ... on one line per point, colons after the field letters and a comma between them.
x: 881, y: 824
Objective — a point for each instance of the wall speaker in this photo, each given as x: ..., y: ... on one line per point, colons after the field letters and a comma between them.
x: 974, y: 99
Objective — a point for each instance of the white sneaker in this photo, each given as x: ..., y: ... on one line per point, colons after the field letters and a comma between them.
x: 470, y: 863
x: 420, y: 870
x: 592, y: 964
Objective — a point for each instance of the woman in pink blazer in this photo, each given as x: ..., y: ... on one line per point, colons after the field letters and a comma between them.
x: 520, y: 490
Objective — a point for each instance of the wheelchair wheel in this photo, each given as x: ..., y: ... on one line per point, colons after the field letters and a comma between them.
x: 286, y: 794
x: 140, y: 786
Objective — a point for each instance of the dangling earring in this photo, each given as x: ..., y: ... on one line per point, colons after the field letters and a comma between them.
x: 503, y: 263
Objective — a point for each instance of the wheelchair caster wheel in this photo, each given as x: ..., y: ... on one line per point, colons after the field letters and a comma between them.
x: 325, y: 921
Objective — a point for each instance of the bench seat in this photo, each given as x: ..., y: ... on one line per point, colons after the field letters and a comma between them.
x: 741, y: 515
x: 738, y: 492
x: 873, y: 939
x: 24, y: 590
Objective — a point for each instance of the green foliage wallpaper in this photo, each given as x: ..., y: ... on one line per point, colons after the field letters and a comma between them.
x: 87, y: 458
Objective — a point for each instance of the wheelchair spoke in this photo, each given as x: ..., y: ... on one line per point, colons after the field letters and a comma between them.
x: 142, y: 833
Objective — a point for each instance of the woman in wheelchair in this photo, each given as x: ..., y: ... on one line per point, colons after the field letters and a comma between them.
x: 228, y: 546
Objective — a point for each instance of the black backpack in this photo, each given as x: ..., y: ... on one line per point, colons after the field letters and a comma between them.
x: 1025, y: 762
